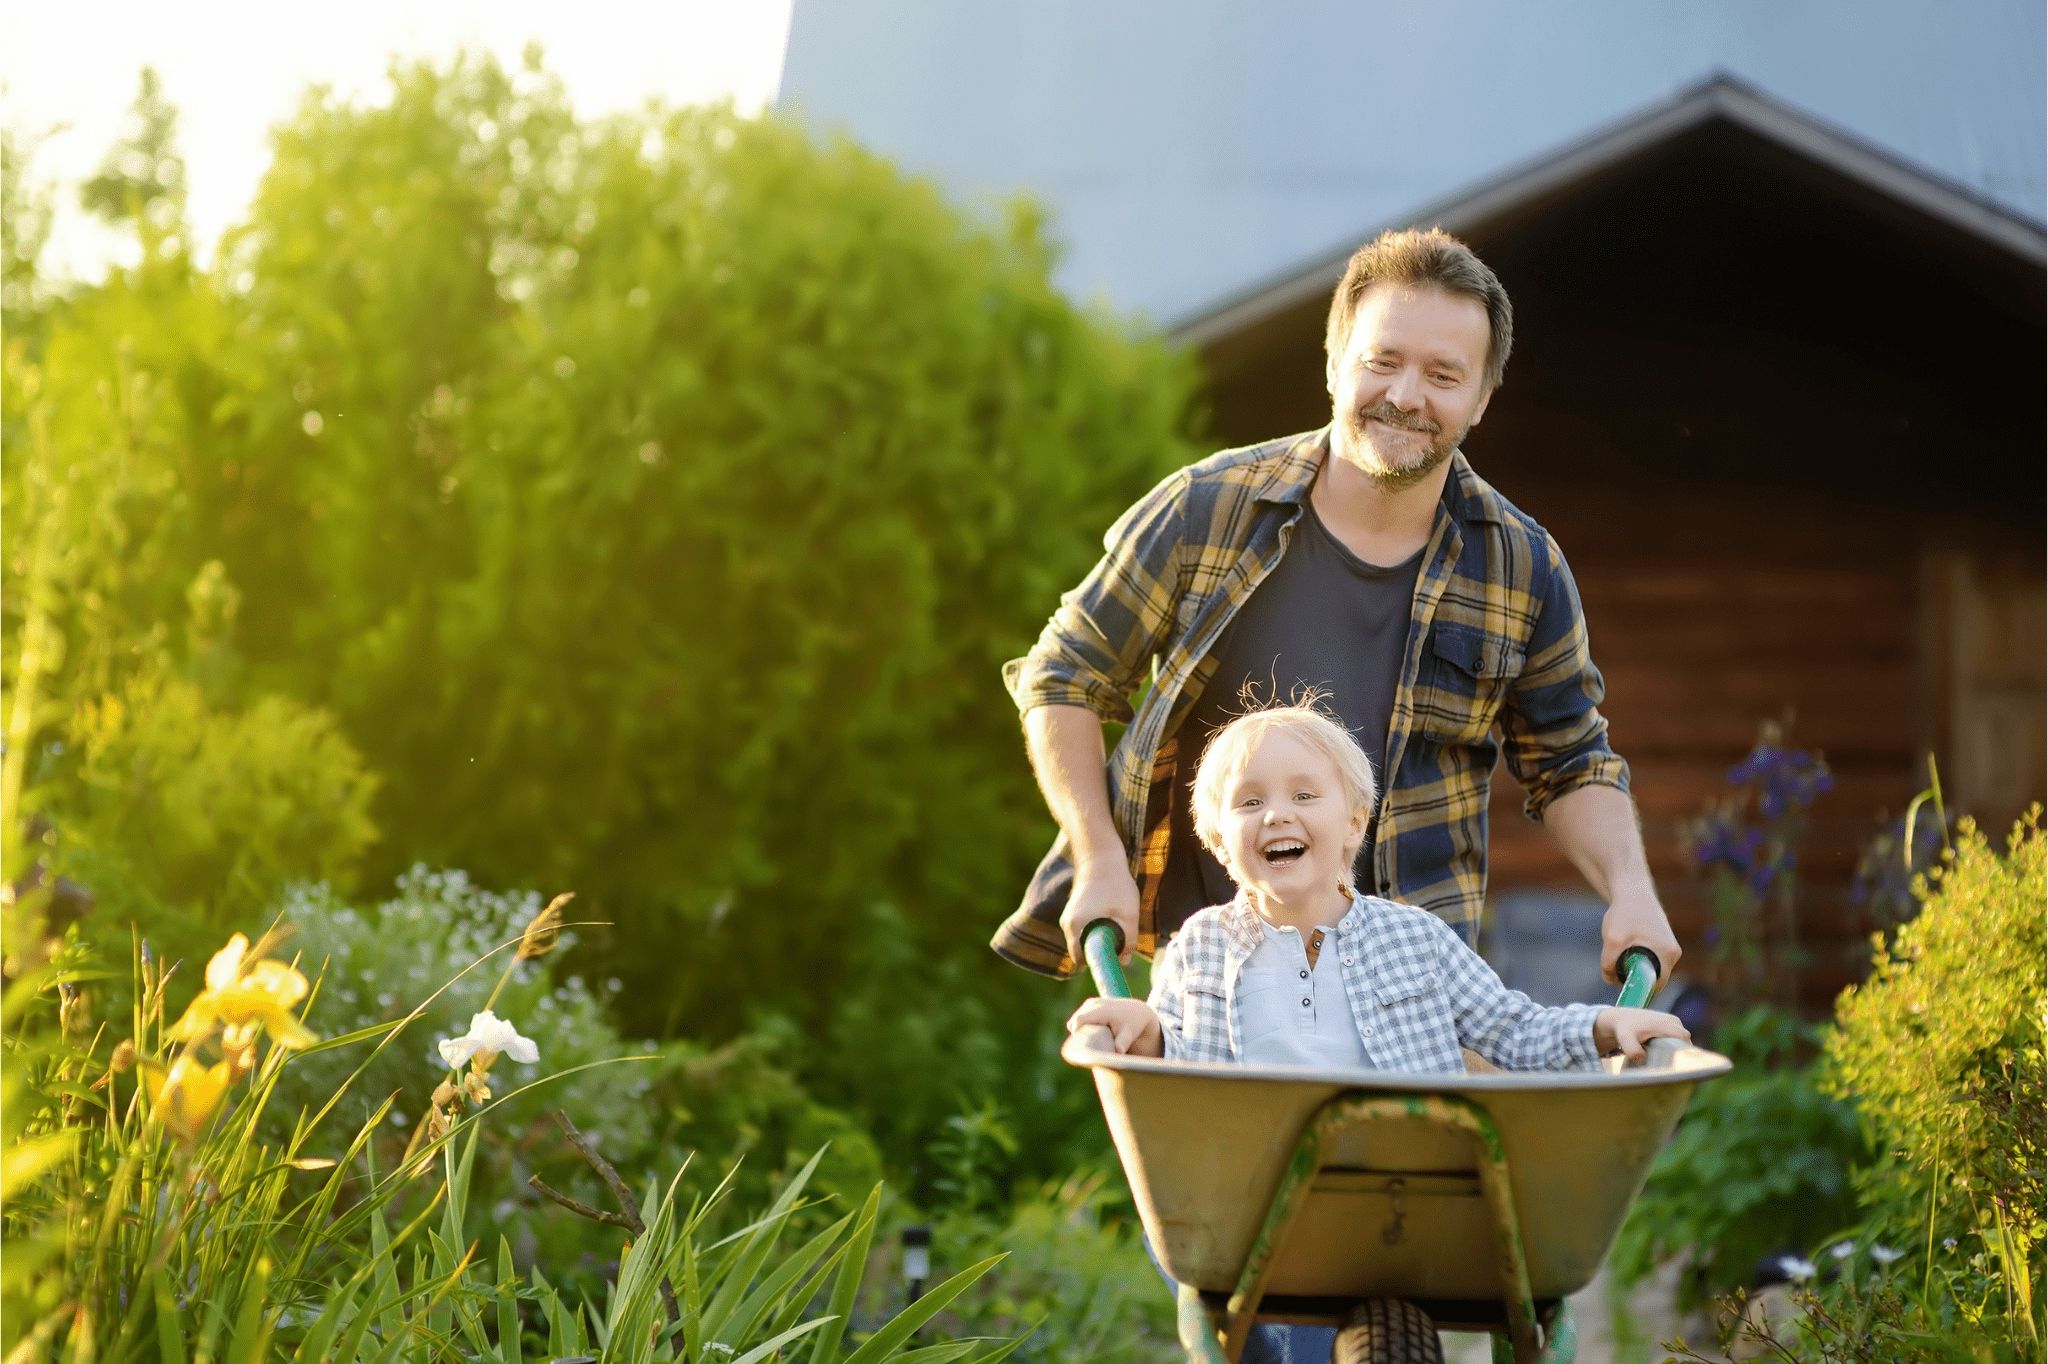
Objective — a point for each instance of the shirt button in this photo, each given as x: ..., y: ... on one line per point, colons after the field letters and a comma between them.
x: 1304, y: 975
x: 1304, y: 1004
x: 1347, y: 961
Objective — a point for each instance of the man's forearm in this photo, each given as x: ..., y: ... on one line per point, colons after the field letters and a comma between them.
x: 1065, y: 743
x: 1596, y: 828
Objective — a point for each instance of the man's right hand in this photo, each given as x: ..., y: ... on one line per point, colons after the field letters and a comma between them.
x: 1103, y: 889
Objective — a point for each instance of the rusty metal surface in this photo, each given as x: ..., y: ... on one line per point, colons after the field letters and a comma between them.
x: 1399, y: 1208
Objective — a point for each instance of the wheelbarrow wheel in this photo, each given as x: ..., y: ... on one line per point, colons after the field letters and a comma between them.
x: 1388, y: 1331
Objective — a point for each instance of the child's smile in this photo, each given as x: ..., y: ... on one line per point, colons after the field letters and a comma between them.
x: 1288, y: 832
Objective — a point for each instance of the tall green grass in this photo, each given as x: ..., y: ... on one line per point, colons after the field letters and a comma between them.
x: 130, y: 1238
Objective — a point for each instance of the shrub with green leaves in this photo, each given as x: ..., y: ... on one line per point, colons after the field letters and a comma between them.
x: 716, y: 1107
x: 390, y: 961
x: 1076, y: 1283
x: 1942, y: 1050
x: 1761, y: 1163
x: 236, y: 805
x: 651, y: 499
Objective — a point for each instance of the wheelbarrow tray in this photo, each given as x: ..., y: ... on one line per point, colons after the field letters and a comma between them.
x: 1397, y: 1208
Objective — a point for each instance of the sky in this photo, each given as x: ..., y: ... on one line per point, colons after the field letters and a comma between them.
x: 233, y: 68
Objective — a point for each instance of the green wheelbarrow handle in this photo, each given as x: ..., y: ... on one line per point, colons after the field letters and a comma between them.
x: 1102, y: 944
x: 1639, y: 971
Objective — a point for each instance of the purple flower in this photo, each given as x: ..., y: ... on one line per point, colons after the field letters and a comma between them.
x: 1760, y: 760
x: 1786, y: 778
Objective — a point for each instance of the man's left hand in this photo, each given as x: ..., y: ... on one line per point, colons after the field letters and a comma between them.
x: 1635, y: 919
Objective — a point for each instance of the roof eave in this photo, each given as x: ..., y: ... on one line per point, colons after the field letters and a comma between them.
x: 1720, y: 97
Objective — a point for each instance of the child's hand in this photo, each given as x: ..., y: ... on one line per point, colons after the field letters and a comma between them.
x: 1132, y: 1024
x: 1627, y: 1030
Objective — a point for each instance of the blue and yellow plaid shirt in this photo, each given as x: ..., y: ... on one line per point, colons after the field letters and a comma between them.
x: 1497, y: 643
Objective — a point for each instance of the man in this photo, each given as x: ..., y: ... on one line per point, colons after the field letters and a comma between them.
x: 1459, y: 619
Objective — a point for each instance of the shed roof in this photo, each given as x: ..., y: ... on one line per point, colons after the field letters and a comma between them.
x: 1720, y: 98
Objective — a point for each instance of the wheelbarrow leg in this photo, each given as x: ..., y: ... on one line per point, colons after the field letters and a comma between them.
x: 1200, y: 1334
x: 1560, y: 1338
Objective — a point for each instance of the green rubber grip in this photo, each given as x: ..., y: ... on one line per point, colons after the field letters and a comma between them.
x: 1639, y: 971
x: 1102, y: 942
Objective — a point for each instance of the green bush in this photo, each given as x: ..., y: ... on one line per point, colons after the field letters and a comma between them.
x: 173, y: 804
x: 390, y: 961
x: 1076, y: 1278
x: 652, y: 500
x: 1942, y: 1050
x: 717, y: 1108
x: 1761, y: 1163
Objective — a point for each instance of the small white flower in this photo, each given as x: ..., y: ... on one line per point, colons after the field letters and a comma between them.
x: 488, y: 1036
x: 1948, y: 1243
x: 1842, y: 1250
x: 1884, y: 1255
x: 1794, y: 1268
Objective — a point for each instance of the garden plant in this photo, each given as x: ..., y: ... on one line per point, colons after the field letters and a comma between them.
x: 1895, y: 1164
x: 644, y: 504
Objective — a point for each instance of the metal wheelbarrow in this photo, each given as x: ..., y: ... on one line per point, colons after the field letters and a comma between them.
x: 1396, y: 1202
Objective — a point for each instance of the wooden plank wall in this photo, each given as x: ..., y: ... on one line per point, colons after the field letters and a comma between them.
x: 1739, y: 609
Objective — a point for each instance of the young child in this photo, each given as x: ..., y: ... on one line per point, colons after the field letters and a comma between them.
x: 1300, y: 968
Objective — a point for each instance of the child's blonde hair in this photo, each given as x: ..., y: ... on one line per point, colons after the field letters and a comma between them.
x: 1230, y: 750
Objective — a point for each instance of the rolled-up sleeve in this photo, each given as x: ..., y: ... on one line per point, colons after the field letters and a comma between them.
x: 1099, y: 644
x: 1554, y: 736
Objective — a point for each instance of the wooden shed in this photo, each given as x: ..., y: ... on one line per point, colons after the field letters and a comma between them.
x: 1780, y: 398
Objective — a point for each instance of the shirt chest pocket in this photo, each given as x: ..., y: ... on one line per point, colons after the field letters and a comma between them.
x: 1414, y: 1029
x: 1471, y: 672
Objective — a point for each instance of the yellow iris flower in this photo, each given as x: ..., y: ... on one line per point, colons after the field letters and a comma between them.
x: 246, y: 997
x: 186, y: 1096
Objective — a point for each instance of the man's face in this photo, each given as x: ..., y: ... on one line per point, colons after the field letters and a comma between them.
x: 1409, y: 383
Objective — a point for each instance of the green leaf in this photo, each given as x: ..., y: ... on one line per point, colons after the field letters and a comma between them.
x: 510, y: 1349
x: 880, y: 1345
x: 252, y: 1326
x: 28, y: 1160
x: 825, y: 1349
x: 773, y: 1346
x: 170, y: 1341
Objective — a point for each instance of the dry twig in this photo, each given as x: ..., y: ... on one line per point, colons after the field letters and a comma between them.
x: 630, y: 1220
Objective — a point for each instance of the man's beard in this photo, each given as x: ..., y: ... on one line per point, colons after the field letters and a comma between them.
x: 1369, y: 460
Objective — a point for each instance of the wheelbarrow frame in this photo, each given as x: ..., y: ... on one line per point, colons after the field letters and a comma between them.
x: 1215, y: 1324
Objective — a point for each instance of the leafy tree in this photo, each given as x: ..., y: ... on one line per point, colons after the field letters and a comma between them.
x: 25, y: 209
x: 142, y: 179
x: 652, y: 501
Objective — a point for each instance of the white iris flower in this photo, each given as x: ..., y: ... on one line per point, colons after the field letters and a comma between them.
x: 488, y: 1037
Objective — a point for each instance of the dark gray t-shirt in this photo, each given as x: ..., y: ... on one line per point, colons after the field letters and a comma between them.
x: 1323, y: 617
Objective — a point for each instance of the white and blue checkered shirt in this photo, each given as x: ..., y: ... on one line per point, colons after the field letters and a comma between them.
x: 1417, y: 991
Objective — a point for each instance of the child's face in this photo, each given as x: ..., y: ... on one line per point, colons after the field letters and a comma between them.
x: 1288, y: 832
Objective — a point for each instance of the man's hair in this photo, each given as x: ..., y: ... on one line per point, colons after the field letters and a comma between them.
x: 1230, y: 750
x: 1431, y: 258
